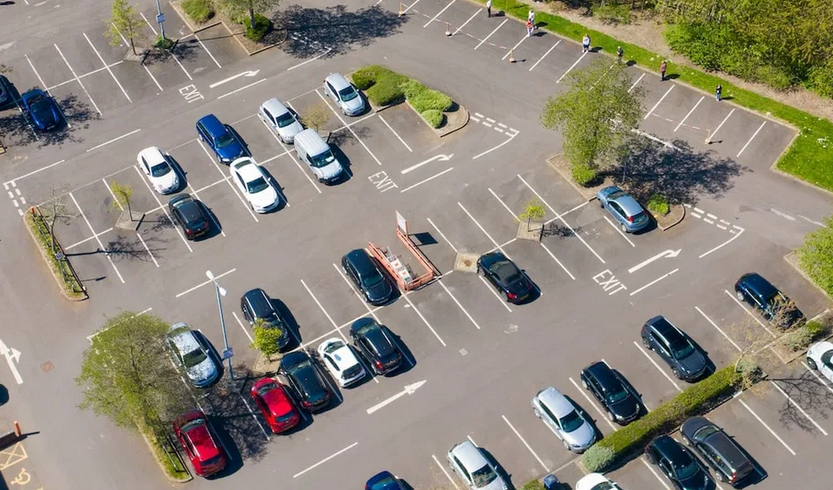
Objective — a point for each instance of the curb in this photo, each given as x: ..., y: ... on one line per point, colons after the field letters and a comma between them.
x: 682, y: 217
x: 439, y: 132
x: 774, y: 169
x: 48, y: 264
x: 569, y: 179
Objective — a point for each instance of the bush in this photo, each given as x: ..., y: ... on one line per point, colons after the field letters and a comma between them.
x: 198, y: 10
x: 658, y: 205
x: 433, y: 117
x: 820, y: 80
x: 163, y: 43
x: 386, y: 90
x: 261, y: 27
x: 815, y: 329
x: 364, y: 78
x: 412, y: 88
x: 533, y: 485
x: 598, y: 457
x: 613, y: 14
x: 798, y: 339
x: 431, y: 99
x: 583, y: 175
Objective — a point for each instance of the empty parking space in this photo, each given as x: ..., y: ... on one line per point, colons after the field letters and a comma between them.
x: 198, y: 167
x: 95, y: 202
x: 462, y: 232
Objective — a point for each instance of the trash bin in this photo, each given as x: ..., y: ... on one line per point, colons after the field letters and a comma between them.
x: 551, y: 482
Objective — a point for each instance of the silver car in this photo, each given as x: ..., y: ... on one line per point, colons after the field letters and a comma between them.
x: 466, y: 460
x: 564, y: 420
x: 280, y: 119
x: 346, y: 96
x: 623, y: 208
x: 192, y: 355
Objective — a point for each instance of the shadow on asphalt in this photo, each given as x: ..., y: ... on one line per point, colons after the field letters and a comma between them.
x: 17, y: 130
x: 808, y: 393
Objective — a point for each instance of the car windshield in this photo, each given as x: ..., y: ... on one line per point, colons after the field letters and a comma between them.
x: 615, y: 195
x: 160, y: 169
x: 571, y: 421
x: 686, y: 467
x: 333, y: 346
x: 224, y: 140
x: 617, y: 396
x: 681, y: 349
x: 505, y: 271
x: 193, y: 358
x: 385, y: 483
x: 603, y: 486
x: 348, y: 93
x: 192, y: 424
x: 706, y: 431
x: 264, y: 389
x: 323, y: 159
x: 257, y: 185
x: 284, y: 120
x: 483, y: 476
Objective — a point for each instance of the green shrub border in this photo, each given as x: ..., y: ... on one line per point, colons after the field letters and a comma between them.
x: 698, y: 398
x: 658, y: 204
x: 173, y: 469
x: 199, y: 11
x: 809, y: 157
x: 259, y: 30
x: 60, y: 269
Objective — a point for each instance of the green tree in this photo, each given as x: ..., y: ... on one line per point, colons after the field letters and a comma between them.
x: 533, y: 211
x: 123, y: 195
x: 124, y: 22
x: 235, y: 8
x: 266, y: 338
x: 816, y: 256
x: 127, y: 376
x: 596, y: 113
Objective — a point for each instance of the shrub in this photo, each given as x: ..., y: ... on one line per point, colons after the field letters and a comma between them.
x: 658, y: 205
x: 815, y: 329
x: 163, y: 43
x: 773, y: 76
x: 598, y: 457
x: 583, y: 175
x: 266, y: 339
x: 433, y: 117
x: 533, y: 485
x: 412, y: 88
x: 431, y: 99
x: 820, y: 79
x: 198, y: 10
x: 613, y: 14
x: 364, y: 78
x: 261, y: 27
x: 797, y: 339
x: 386, y: 90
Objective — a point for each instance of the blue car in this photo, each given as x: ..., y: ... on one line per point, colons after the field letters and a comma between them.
x: 629, y: 213
x: 384, y: 481
x: 221, y: 139
x: 42, y: 108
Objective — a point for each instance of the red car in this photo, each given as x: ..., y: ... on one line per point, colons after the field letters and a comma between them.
x: 200, y: 443
x: 276, y: 405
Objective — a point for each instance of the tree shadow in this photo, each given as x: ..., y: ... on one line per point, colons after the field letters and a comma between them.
x: 130, y: 248
x: 17, y: 130
x: 312, y: 30
x: 808, y: 393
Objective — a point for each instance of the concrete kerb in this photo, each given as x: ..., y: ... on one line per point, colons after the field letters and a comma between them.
x: 556, y: 162
x: 792, y: 259
x: 679, y: 208
x: 251, y: 52
x: 774, y: 169
x: 458, y: 122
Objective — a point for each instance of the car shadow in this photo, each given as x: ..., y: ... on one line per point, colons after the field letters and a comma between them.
x: 500, y: 470
x: 290, y: 322
x: 409, y: 361
x: 274, y: 182
x: 215, y: 227
x: 234, y: 460
x: 180, y: 173
x: 343, y: 159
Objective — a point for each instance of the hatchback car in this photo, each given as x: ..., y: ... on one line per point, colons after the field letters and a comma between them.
x: 383, y: 481
x: 471, y: 466
x: 221, y: 139
x: 678, y: 464
x: 365, y: 273
x: 820, y: 357
x: 564, y: 420
x: 192, y: 355
x: 257, y: 305
x: 280, y: 120
x: 774, y: 305
x: 686, y: 360
x: 42, y: 108
x: 340, y: 360
x: 306, y: 380
x: 276, y: 405
x: 510, y: 281
x: 624, y: 208
x: 596, y: 481
x: 718, y: 450
x: 613, y: 393
x: 158, y: 170
x: 376, y: 345
x: 346, y: 96
x: 189, y: 215
x: 256, y: 187
x: 200, y: 443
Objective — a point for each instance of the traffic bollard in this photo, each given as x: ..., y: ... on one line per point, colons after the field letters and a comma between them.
x: 511, y: 56
x: 17, y: 430
x: 447, y: 29
x: 401, y: 9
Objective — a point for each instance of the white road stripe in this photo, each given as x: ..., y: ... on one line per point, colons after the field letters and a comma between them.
x: 636, y: 82
x: 494, y: 293
x: 657, y: 366
x: 796, y: 405
x: 718, y: 329
x: 147, y: 249
x: 233, y: 188
x: 326, y: 51
x: 514, y: 48
x: 817, y: 377
x: 749, y: 313
x: 619, y: 231
x: 660, y: 278
x: 265, y: 434
x: 409, y: 7
x: 503, y: 204
x: 77, y: 79
x: 394, y: 132
x: 458, y: 304
x: 711, y: 136
x: 722, y: 244
x: 351, y: 446
x: 100, y: 245
x: 204, y: 283
x: 689, y: 113
x: 557, y: 261
x: 319, y: 304
x: 481, y: 228
x: 245, y: 330
x: 241, y: 89
x: 545, y: 55
x: 659, y: 102
x: 443, y: 235
x: 490, y: 34
x: 405, y: 295
x: 654, y: 472
x: 541, y: 462
x: 767, y: 427
x: 449, y: 169
x: 494, y: 148
x: 464, y: 25
x: 571, y: 67
x: 108, y: 68
x: 438, y: 14
x: 348, y: 126
x: 163, y: 208
x: 297, y: 164
x: 445, y: 472
x: 111, y: 141
x: 750, y: 139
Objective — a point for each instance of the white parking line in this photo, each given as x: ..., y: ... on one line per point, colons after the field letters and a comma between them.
x: 490, y: 34
x: 361, y: 300
x: 100, y: 245
x: 545, y: 54
x: 689, y: 113
x: 660, y: 278
x: 750, y: 139
x: 163, y: 208
x: 482, y: 229
x: 796, y: 405
x: 351, y: 446
x: 466, y: 22
x: 495, y: 147
x: 112, y: 141
x: 443, y: 235
x: 321, y: 306
x: 823, y: 382
x: 636, y: 82
x: 326, y: 51
x: 171, y: 51
x: 108, y: 68
x: 204, y: 283
x: 619, y: 231
x: 147, y: 249
x: 494, y: 293
x: 301, y: 168
x: 348, y: 126
x: 458, y: 304
x: 147, y: 70
x: 394, y: 132
x: 654, y: 472
x: 591, y: 402
x: 36, y: 71
x: 245, y: 330
x: 724, y: 243
x: 659, y: 102
x: 77, y: 79
x: 87, y: 239
x: 409, y: 7
x: 213, y: 219
x: 514, y: 48
x: 405, y: 296
x: 445, y: 472
x: 711, y: 135
x: 90, y: 337
x: 262, y: 429
x: 718, y: 329
x: 438, y: 14
x: 767, y: 427
x: 557, y: 261
x: 331, y: 332
x: 233, y: 188
x: 749, y: 313
x: 503, y: 203
x: 449, y: 169
x: 656, y: 366
x: 571, y: 67
x: 541, y: 462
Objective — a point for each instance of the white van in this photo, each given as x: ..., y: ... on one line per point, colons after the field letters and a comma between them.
x: 316, y: 153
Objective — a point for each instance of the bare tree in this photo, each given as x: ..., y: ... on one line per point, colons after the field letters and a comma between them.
x: 56, y: 210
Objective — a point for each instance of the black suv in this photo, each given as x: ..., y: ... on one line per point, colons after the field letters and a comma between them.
x: 720, y: 451
x: 678, y: 464
x: 376, y: 345
x: 306, y: 380
x: 687, y: 361
x: 256, y: 304
x: 610, y: 389
x: 361, y: 268
x: 776, y: 307
x: 190, y: 215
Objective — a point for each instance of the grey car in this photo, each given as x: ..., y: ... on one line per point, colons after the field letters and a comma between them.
x: 718, y: 450
x: 467, y: 461
x: 564, y: 420
x: 685, y: 358
x: 344, y: 94
x: 280, y: 120
x: 192, y: 355
x: 624, y: 208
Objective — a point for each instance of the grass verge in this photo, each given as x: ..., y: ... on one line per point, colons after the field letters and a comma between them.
x: 60, y: 268
x: 809, y: 158
x: 170, y: 464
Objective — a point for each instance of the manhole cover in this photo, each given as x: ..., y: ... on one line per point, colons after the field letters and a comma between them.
x: 47, y: 366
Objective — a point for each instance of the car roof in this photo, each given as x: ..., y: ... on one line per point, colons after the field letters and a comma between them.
x: 759, y: 285
x: 153, y: 155
x: 490, y: 258
x: 338, y: 81
x: 247, y: 169
x: 628, y: 204
x: 343, y: 356
x: 289, y: 360
x: 469, y: 455
x: 276, y: 399
x: 603, y: 374
x: 668, y: 447
x: 188, y: 207
x: 665, y: 328
x: 258, y: 301
x: 274, y: 106
x: 361, y: 261
x: 183, y: 337
x: 719, y: 440
x: 212, y: 125
x: 556, y: 402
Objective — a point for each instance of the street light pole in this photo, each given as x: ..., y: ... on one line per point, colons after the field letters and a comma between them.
x: 227, y: 353
x: 160, y: 18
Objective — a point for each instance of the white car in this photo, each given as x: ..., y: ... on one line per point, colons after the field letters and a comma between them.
x: 254, y: 184
x: 596, y: 481
x: 344, y: 94
x: 341, y: 361
x: 158, y: 169
x: 564, y: 420
x: 820, y: 357
x: 466, y: 460
x: 280, y: 119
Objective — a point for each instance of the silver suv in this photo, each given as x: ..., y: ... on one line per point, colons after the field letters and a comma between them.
x: 346, y: 96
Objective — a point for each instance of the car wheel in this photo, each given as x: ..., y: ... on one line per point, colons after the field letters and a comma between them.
x: 566, y: 446
x: 601, y: 204
x: 720, y: 477
x: 740, y: 296
x: 584, y: 384
x: 481, y: 272
x: 686, y: 441
x: 610, y: 416
x: 676, y: 373
x: 536, y: 412
x: 624, y: 228
x: 646, y: 343
x: 812, y: 364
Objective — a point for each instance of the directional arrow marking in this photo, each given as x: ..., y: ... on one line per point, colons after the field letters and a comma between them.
x: 668, y: 253
x: 409, y: 390
x: 249, y: 73
x: 12, y: 355
x: 441, y: 158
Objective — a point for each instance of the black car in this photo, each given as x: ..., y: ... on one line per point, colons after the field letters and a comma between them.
x: 362, y: 269
x: 504, y: 275
x: 687, y: 361
x: 306, y: 380
x: 721, y: 452
x: 775, y: 306
x: 678, y: 464
x: 190, y: 215
x: 610, y: 389
x: 376, y: 345
x: 257, y: 305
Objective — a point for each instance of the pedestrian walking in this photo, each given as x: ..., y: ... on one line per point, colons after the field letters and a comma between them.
x: 488, y: 8
x: 662, y: 67
x: 529, y: 28
x: 718, y: 92
x: 585, y: 44
x: 531, y: 17
x: 619, y: 53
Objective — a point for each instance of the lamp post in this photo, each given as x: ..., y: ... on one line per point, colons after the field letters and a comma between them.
x: 227, y: 352
x: 160, y: 18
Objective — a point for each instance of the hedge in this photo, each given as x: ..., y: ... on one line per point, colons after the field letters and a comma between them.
x: 386, y: 89
x: 583, y: 175
x: 59, y: 268
x: 431, y: 99
x: 697, y: 399
x: 433, y: 117
x: 198, y: 10
x: 533, y: 485
x: 261, y: 27
x: 658, y: 205
x: 364, y: 78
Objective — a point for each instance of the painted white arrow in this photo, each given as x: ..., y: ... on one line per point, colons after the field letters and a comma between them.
x: 12, y: 355
x: 409, y: 390
x: 668, y: 254
x: 441, y: 158
x: 249, y: 73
